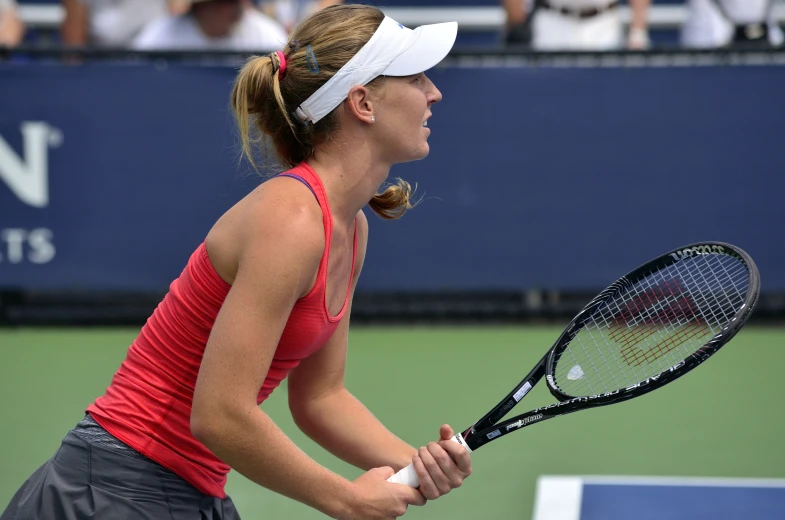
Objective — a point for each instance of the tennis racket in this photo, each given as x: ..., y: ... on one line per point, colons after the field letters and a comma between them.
x: 645, y: 330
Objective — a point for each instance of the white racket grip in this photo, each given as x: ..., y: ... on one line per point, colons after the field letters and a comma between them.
x: 408, y: 475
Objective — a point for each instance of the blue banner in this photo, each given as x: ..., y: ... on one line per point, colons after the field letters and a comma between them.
x: 557, y: 178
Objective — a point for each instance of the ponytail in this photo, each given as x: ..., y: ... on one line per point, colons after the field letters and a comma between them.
x: 393, y: 202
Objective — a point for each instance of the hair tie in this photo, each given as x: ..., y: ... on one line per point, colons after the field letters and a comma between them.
x: 281, y: 64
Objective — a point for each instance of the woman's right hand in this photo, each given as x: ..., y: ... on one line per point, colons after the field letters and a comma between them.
x: 375, y: 498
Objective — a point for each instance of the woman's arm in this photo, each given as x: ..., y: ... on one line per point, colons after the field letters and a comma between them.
x: 278, y: 251
x: 324, y: 409
x: 329, y: 414
x: 341, y: 424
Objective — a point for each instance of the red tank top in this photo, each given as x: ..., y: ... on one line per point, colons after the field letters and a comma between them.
x: 148, y: 403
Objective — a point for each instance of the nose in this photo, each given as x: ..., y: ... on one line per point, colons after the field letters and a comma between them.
x: 434, y: 95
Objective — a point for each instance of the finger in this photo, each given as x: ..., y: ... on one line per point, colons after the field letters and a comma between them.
x: 384, y: 472
x: 427, y: 487
x: 445, y: 432
x: 429, y: 455
x: 412, y: 496
x: 449, y: 468
x: 458, y: 454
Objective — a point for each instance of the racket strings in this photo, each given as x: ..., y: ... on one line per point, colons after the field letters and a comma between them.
x: 654, y: 294
x: 673, y: 324
x: 662, y: 319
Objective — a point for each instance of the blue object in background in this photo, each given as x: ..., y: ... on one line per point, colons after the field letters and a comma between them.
x: 556, y: 178
x: 658, y: 498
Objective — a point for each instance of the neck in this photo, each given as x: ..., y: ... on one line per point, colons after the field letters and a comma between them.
x: 351, y: 174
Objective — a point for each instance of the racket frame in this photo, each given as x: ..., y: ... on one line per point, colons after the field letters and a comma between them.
x: 489, y: 426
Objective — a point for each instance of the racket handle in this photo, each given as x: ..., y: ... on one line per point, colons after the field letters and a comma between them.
x: 408, y: 475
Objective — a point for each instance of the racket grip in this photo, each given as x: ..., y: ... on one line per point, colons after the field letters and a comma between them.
x: 408, y: 475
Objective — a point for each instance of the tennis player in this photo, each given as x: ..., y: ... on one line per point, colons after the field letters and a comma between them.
x: 268, y: 295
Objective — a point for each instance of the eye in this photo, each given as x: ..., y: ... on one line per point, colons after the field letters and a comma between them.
x: 417, y: 78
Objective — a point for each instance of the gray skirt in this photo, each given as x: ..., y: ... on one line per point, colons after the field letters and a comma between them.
x: 94, y: 475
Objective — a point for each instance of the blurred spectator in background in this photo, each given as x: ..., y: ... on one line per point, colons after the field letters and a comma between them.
x: 291, y: 12
x: 575, y: 25
x: 519, y: 14
x: 214, y: 25
x: 11, y: 27
x: 739, y: 23
x: 109, y: 23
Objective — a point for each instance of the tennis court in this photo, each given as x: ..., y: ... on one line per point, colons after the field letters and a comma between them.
x: 724, y: 420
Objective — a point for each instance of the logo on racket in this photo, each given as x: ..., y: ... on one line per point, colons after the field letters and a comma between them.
x: 697, y: 250
x: 575, y: 373
x: 523, y: 422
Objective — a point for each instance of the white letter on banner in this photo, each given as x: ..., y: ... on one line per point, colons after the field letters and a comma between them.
x: 15, y: 238
x: 28, y: 177
x: 42, y: 248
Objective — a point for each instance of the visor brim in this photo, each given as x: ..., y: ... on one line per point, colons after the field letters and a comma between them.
x: 432, y: 43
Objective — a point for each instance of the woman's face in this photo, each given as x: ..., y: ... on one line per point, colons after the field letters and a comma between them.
x: 402, y: 113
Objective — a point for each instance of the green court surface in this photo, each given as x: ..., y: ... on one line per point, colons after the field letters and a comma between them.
x: 726, y: 419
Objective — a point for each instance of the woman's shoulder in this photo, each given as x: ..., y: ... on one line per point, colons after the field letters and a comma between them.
x: 276, y: 216
x: 285, y: 204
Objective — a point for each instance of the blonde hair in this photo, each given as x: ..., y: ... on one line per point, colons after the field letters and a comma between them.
x: 263, y: 103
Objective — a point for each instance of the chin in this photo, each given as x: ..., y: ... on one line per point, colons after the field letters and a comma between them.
x: 423, y: 152
x: 417, y: 157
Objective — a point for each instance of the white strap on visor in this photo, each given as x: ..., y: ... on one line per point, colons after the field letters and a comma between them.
x: 390, y: 41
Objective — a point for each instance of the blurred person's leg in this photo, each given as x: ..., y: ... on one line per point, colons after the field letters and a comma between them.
x: 74, y: 27
x: 638, y: 32
x: 517, y: 28
x: 11, y: 27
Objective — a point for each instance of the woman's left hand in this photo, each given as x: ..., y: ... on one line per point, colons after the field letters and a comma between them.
x: 442, y: 466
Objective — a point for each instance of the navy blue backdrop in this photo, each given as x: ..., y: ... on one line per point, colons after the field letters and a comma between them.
x: 110, y: 175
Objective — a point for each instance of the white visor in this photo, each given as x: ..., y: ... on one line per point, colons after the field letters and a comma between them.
x: 393, y: 50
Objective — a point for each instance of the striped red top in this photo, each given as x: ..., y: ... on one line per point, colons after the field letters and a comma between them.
x: 148, y: 403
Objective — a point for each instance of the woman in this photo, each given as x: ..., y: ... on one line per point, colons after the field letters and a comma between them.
x: 268, y: 294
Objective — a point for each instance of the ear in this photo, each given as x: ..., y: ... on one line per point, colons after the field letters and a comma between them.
x: 359, y: 104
